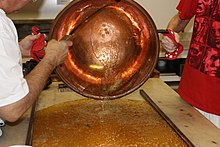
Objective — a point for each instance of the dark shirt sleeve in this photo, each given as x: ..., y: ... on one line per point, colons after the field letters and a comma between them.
x: 187, y: 8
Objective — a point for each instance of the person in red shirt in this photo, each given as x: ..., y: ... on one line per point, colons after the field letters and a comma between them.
x: 200, y: 81
x: 211, y: 62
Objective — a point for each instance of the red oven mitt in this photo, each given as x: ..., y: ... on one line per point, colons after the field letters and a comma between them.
x: 37, y: 50
x: 173, y: 55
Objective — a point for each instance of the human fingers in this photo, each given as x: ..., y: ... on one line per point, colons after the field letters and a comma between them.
x: 57, y: 51
x: 168, y: 44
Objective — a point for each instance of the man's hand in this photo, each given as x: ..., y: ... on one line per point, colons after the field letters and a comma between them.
x: 26, y: 44
x: 56, y: 51
x: 170, y: 43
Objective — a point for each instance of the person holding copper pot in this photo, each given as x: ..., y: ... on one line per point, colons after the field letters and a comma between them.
x: 18, y: 93
x: 200, y: 81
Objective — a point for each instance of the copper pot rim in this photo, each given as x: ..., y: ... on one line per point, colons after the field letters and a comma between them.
x: 144, y: 78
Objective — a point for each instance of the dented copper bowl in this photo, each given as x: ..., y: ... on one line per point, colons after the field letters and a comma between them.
x: 115, y: 47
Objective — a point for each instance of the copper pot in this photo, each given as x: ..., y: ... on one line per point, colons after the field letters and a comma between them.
x: 114, y: 50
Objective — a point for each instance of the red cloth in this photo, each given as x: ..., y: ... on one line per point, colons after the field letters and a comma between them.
x: 37, y: 49
x: 173, y: 55
x: 200, y: 81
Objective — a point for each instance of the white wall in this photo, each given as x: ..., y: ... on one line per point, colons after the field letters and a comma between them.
x: 42, y: 9
x: 161, y: 11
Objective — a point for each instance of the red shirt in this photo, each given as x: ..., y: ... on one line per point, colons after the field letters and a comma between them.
x: 200, y: 81
x: 187, y: 8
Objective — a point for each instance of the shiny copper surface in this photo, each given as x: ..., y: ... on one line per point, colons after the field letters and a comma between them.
x: 114, y: 50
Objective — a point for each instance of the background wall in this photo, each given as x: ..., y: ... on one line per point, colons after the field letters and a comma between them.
x: 161, y: 11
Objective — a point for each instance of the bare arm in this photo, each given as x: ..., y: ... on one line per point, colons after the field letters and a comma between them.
x: 176, y: 24
x: 55, y: 54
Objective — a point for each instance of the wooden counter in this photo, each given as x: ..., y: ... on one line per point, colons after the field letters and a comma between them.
x: 191, y: 123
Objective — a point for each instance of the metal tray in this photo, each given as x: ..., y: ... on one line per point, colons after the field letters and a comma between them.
x: 145, y: 97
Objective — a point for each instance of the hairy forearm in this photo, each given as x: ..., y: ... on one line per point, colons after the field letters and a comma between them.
x: 55, y: 54
x: 36, y: 80
x: 176, y: 24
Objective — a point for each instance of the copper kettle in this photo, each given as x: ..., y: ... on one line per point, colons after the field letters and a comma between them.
x: 115, y: 47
